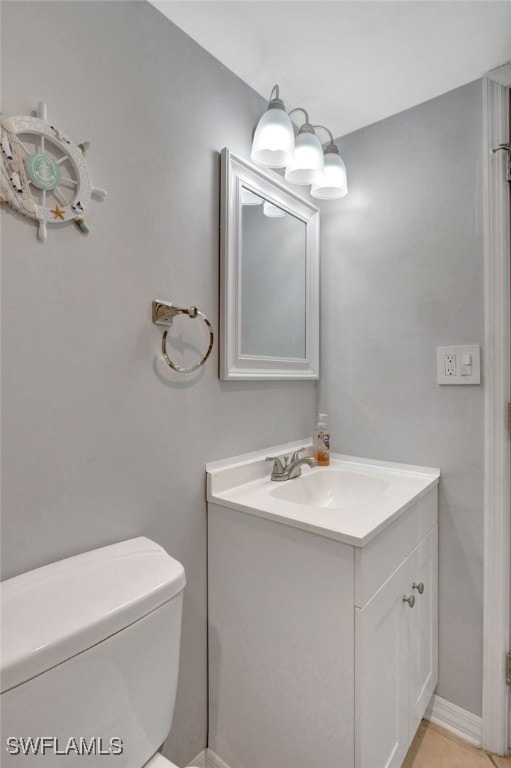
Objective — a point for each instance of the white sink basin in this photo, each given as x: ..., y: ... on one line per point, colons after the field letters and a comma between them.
x: 352, y: 500
x: 331, y: 488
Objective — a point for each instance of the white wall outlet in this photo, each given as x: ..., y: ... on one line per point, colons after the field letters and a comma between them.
x: 459, y: 365
x: 450, y: 365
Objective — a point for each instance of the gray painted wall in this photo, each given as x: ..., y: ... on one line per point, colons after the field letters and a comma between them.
x: 401, y: 275
x: 101, y: 441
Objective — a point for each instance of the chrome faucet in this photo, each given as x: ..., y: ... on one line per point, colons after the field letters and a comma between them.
x: 289, y: 467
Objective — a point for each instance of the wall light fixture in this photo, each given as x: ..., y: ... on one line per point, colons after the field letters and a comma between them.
x: 306, y: 162
x: 333, y: 183
x: 273, y: 144
x: 306, y: 166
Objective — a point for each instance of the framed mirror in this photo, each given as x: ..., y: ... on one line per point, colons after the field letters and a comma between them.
x: 269, y: 277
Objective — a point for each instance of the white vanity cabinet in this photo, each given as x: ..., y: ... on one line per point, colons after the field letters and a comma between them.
x: 315, y: 659
x: 396, y: 666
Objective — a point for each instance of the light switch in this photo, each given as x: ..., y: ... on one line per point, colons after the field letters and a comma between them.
x: 459, y: 365
x: 466, y: 365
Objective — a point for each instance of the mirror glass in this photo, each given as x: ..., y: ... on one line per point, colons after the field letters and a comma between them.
x: 272, y: 279
x: 269, y: 277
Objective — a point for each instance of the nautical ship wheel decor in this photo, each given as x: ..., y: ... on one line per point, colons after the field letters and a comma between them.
x: 44, y: 175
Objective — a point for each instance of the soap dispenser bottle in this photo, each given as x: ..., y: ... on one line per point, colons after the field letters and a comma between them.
x: 322, y: 442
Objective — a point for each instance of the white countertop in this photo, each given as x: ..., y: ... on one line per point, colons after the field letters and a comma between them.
x: 386, y: 490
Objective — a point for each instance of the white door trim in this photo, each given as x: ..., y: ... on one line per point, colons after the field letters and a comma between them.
x: 497, y: 532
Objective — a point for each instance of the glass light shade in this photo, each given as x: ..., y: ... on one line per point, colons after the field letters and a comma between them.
x: 249, y: 198
x: 307, y: 164
x: 274, y: 140
x: 272, y: 210
x: 333, y: 184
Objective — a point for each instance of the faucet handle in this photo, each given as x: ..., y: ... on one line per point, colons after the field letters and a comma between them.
x: 296, y: 454
x: 278, y: 466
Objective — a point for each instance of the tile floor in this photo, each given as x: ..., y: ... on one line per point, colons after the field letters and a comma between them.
x: 435, y: 748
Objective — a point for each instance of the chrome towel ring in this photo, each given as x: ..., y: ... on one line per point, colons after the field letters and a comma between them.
x: 163, y: 315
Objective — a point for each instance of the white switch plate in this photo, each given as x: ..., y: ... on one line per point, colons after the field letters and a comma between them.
x: 449, y: 370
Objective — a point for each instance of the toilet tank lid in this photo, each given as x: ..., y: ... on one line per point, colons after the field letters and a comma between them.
x: 53, y: 613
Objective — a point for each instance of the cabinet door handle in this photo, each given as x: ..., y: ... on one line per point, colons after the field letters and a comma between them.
x: 419, y: 587
x: 410, y: 600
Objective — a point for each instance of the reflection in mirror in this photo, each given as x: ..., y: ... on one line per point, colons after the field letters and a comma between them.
x: 272, y: 210
x: 272, y: 279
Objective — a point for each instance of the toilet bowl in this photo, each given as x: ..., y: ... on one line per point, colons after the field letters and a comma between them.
x: 89, y: 659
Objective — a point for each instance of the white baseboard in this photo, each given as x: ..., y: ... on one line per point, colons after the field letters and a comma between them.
x: 440, y: 712
x: 213, y: 761
x: 200, y: 761
x: 208, y: 759
x: 454, y: 719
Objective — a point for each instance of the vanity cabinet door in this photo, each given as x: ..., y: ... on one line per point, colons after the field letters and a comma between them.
x: 381, y: 675
x: 423, y: 631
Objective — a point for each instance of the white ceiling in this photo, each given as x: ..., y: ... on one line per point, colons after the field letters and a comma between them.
x: 350, y: 63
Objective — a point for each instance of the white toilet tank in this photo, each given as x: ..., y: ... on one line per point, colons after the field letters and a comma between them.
x: 90, y: 658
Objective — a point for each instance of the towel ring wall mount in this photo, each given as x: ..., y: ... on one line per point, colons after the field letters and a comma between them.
x: 163, y: 315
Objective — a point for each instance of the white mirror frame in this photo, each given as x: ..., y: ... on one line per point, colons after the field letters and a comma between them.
x: 236, y: 173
